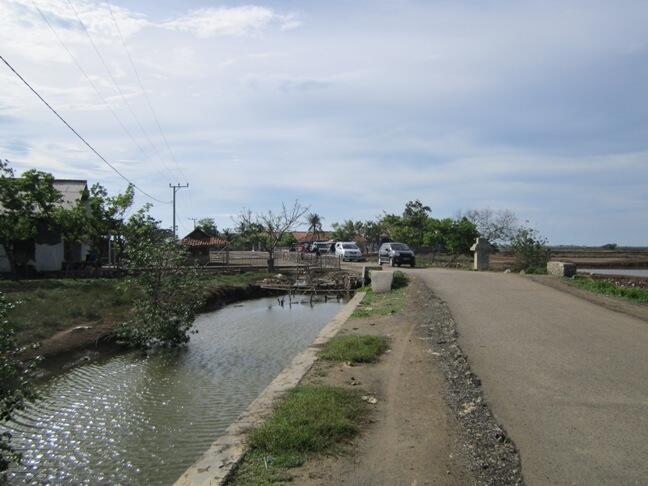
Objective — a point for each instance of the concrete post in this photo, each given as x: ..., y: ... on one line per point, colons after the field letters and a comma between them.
x: 482, y: 249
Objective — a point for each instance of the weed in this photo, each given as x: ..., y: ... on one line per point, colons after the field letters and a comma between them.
x: 307, y: 420
x: 357, y: 349
x: 599, y: 286
x: 400, y: 280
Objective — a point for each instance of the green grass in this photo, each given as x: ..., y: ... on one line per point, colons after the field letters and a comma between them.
x: 374, y: 305
x: 307, y: 420
x: 47, y: 306
x: 637, y: 295
x: 424, y: 260
x: 357, y: 349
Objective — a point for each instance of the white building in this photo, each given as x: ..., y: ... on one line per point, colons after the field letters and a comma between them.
x: 48, y: 252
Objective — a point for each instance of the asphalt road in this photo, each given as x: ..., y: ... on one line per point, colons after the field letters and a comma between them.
x: 567, y: 378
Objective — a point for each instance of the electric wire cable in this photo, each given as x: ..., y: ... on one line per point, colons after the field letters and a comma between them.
x: 117, y: 87
x: 115, y: 169
x: 141, y: 85
x: 146, y: 96
x: 94, y: 86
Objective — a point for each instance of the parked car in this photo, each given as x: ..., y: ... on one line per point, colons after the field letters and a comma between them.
x: 396, y: 254
x: 320, y: 247
x: 348, y: 250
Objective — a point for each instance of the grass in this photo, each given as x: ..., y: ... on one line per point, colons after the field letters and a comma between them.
x: 47, y: 306
x: 307, y: 420
x: 427, y: 260
x: 383, y: 304
x: 599, y: 286
x: 356, y: 349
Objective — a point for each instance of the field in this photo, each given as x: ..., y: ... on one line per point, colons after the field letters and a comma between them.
x: 585, y: 257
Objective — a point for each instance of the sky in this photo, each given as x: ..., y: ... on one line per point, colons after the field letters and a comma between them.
x: 353, y: 108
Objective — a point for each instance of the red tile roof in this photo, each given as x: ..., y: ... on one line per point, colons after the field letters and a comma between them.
x: 211, y: 241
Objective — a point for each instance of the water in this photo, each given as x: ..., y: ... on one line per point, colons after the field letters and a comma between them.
x: 143, y: 419
x: 633, y: 272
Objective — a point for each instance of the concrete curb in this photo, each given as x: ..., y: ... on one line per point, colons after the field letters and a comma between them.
x: 223, y: 456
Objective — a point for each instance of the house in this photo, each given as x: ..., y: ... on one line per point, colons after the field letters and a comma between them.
x: 199, y: 243
x: 48, y: 252
x: 303, y: 237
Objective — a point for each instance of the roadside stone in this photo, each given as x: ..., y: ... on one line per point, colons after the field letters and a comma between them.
x: 561, y: 269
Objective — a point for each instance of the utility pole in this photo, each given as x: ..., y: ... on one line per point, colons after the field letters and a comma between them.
x: 176, y: 188
x: 194, y: 221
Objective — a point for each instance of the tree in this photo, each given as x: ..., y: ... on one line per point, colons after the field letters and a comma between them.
x: 314, y: 225
x: 28, y: 204
x: 372, y: 232
x: 273, y: 225
x: 166, y: 282
x: 496, y: 226
x: 530, y: 251
x: 16, y: 377
x: 249, y: 233
x: 97, y: 219
x: 460, y: 236
x: 347, y: 231
x: 208, y: 225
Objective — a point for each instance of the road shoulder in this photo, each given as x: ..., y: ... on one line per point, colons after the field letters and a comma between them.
x: 412, y: 436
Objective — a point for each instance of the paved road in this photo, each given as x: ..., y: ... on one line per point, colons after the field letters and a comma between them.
x: 567, y: 378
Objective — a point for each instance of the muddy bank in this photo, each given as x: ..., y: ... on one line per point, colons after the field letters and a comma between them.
x: 82, y: 343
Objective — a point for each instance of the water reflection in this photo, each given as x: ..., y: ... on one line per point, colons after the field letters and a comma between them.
x: 143, y: 419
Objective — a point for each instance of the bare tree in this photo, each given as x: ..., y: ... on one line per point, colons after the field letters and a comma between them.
x: 496, y: 226
x: 274, y: 225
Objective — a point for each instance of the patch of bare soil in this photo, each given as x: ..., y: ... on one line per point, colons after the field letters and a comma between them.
x: 413, y: 437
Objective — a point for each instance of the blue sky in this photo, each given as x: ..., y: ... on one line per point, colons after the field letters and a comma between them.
x: 352, y: 107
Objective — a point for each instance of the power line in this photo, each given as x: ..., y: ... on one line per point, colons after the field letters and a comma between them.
x: 141, y: 85
x: 117, y: 171
x: 117, y: 87
x: 85, y: 74
x: 146, y: 97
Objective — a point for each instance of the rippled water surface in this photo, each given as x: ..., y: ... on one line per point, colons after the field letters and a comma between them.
x: 143, y: 419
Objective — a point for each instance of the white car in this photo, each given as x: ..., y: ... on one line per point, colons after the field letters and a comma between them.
x: 348, y: 250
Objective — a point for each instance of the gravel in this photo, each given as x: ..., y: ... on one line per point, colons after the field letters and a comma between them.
x: 489, y: 451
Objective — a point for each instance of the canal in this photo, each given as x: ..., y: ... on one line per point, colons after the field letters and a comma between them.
x: 140, y: 418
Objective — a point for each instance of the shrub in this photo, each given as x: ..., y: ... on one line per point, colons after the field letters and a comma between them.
x: 530, y: 251
x: 15, y: 382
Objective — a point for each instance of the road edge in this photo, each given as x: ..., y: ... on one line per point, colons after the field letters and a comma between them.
x: 491, y: 453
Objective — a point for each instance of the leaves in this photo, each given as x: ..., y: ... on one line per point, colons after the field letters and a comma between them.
x: 16, y: 378
x: 165, y: 281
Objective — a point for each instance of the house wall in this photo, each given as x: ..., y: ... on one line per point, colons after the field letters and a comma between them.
x: 49, y: 258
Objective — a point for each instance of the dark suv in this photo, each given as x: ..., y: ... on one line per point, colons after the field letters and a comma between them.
x: 396, y: 254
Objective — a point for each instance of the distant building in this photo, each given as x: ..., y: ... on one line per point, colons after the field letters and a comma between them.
x: 308, y: 237
x: 48, y: 252
x: 200, y: 243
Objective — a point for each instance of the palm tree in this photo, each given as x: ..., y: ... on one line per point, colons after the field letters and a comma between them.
x: 314, y: 225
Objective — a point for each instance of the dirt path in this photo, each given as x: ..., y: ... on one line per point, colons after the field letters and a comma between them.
x: 413, y: 437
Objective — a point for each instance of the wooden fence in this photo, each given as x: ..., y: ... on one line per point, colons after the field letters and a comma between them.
x: 223, y: 258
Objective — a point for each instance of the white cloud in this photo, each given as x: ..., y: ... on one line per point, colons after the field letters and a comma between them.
x: 236, y: 21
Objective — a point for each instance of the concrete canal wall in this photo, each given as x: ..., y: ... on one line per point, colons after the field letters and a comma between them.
x: 222, y: 457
